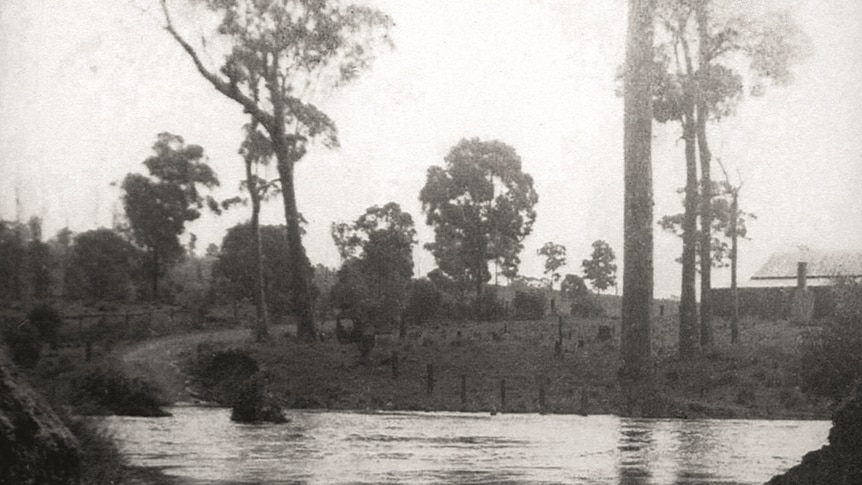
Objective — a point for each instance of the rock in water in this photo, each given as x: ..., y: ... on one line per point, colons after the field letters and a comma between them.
x: 255, y: 403
x: 35, y: 446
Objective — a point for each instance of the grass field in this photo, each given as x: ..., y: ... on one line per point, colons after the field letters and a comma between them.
x: 756, y: 379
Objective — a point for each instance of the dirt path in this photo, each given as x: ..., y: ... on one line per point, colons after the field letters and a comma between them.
x: 158, y: 360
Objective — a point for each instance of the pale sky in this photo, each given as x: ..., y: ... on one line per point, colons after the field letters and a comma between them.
x: 86, y: 85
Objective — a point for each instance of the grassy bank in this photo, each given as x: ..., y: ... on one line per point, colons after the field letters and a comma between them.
x: 757, y: 379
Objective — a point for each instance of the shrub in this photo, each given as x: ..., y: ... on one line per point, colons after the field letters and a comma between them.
x: 529, y: 305
x: 47, y: 321
x: 831, y: 362
x: 586, y: 307
x: 221, y: 373
x: 106, y: 390
x: 23, y: 342
x: 490, y: 308
x: 423, y: 301
x: 255, y: 402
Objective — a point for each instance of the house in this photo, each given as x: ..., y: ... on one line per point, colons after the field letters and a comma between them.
x: 822, y: 268
x: 772, y: 292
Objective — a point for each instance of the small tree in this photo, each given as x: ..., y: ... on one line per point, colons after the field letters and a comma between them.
x: 555, y: 258
x: 481, y: 208
x: 600, y: 269
x: 378, y: 252
x: 256, y: 150
x: 159, y: 206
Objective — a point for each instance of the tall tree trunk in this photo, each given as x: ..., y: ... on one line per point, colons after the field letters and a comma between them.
x: 262, y: 327
x: 638, y: 201
x: 734, y: 221
x: 706, y: 183
x: 287, y: 153
x: 705, y: 229
x: 688, y: 328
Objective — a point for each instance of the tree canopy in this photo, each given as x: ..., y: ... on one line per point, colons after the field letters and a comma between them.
x: 555, y: 258
x: 158, y: 206
x: 101, y: 266
x: 374, y: 280
x: 601, y: 269
x: 236, y: 272
x: 722, y: 218
x: 481, y: 207
x: 277, y: 54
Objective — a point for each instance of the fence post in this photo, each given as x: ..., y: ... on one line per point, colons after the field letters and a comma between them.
x: 429, y: 379
x: 502, y: 395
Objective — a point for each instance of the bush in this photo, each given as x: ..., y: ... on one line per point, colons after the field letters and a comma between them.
x: 586, y: 307
x: 222, y: 373
x: 23, y: 342
x: 423, y: 301
x: 47, y: 321
x: 490, y: 308
x: 831, y: 362
x: 255, y: 402
x: 529, y: 305
x: 106, y: 390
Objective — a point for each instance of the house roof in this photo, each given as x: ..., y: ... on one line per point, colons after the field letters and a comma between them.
x: 821, y: 264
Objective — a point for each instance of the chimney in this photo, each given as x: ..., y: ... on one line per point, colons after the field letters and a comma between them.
x: 801, y: 274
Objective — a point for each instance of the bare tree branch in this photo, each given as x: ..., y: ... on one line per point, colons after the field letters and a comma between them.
x: 228, y: 89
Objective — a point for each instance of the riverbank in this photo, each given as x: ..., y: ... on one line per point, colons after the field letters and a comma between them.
x: 516, y: 367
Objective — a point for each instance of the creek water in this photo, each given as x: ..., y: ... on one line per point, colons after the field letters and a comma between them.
x: 201, y: 445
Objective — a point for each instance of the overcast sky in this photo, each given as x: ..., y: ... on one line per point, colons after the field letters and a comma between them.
x: 86, y: 85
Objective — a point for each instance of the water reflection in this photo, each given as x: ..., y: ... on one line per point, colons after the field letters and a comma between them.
x: 636, y: 448
x: 201, y: 445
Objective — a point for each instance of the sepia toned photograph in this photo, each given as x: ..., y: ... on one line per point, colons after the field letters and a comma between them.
x: 439, y: 242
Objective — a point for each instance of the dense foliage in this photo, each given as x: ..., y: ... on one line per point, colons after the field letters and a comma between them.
x: 101, y: 266
x: 529, y: 305
x: 275, y: 55
x: 423, y: 301
x: 601, y: 269
x: 374, y: 280
x: 831, y: 363
x: 481, y: 206
x: 47, y: 321
x: 158, y: 206
x: 234, y: 270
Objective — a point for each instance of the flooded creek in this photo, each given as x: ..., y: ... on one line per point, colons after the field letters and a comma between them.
x: 202, y: 445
